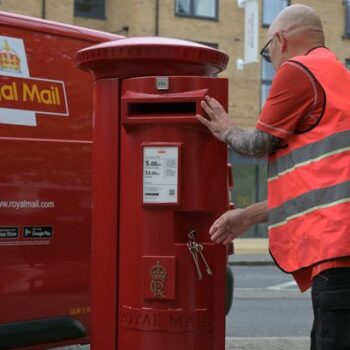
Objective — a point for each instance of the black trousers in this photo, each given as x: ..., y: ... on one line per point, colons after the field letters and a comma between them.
x: 331, y: 304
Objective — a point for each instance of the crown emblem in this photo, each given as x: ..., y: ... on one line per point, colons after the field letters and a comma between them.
x: 158, y: 275
x: 9, y: 60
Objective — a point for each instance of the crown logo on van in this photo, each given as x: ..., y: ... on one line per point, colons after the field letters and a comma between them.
x: 9, y: 60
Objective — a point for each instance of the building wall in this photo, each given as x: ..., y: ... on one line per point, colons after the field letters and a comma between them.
x: 61, y: 11
x: 228, y: 32
x: 28, y: 8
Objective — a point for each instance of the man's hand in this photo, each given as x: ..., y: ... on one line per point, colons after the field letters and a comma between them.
x: 229, y: 226
x: 235, y: 222
x: 251, y: 143
x: 219, y: 120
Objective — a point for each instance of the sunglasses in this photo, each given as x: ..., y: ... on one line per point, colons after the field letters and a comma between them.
x: 264, y: 53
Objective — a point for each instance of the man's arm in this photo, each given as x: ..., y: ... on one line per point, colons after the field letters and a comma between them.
x: 235, y: 222
x: 253, y: 143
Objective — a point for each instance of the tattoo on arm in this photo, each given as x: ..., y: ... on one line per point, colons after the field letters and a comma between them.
x: 253, y: 143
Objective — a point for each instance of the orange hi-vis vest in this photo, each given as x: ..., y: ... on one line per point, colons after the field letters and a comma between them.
x: 309, y: 180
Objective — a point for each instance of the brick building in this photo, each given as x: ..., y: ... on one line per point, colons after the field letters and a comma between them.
x: 219, y: 23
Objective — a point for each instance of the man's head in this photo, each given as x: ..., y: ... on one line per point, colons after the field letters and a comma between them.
x: 296, y: 30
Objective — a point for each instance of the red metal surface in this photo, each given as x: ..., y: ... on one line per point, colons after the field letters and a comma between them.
x: 105, y: 216
x: 154, y: 298
x: 195, y: 318
x: 151, y: 56
x: 42, y: 164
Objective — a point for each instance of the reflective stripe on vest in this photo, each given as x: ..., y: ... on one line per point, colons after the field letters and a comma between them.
x: 334, y: 144
x: 309, y: 202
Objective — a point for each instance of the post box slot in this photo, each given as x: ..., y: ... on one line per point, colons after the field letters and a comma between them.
x: 161, y: 108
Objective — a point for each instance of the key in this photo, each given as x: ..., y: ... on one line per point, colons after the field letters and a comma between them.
x: 191, y: 235
x: 200, y: 252
x: 194, y: 253
x: 193, y: 250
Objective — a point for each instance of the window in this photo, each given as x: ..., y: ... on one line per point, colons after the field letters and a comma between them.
x: 197, y: 8
x: 267, y: 73
x: 347, y: 18
x: 270, y: 9
x: 89, y: 8
x: 250, y: 186
x: 347, y: 63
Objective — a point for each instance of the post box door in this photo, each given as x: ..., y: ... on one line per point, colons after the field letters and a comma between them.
x: 173, y: 180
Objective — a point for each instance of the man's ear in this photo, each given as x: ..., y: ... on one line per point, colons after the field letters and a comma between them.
x: 281, y: 42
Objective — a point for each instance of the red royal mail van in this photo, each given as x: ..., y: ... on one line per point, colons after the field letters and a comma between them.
x: 45, y: 183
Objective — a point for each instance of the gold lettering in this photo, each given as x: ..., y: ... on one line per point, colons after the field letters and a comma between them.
x: 58, y: 101
x: 9, y: 92
x: 79, y: 310
x: 86, y: 309
x: 75, y: 311
x: 32, y: 93
x: 46, y: 97
x: 15, y: 92
x: 53, y: 94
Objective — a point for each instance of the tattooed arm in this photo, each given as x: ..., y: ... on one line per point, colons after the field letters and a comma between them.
x: 253, y: 143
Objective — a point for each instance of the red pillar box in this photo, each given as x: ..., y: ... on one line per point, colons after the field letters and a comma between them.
x: 160, y: 181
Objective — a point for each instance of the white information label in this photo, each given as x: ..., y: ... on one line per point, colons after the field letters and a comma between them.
x: 160, y: 174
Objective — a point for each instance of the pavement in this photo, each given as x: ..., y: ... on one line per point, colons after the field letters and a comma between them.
x: 246, y: 246
x: 284, y: 343
x: 251, y: 251
x: 292, y: 343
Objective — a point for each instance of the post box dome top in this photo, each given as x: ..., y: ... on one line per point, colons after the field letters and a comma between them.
x: 144, y: 56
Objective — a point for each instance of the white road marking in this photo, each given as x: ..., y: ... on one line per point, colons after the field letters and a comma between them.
x: 264, y: 293
x: 282, y: 286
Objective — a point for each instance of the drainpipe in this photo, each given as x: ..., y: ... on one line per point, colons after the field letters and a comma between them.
x: 157, y: 19
x: 43, y: 9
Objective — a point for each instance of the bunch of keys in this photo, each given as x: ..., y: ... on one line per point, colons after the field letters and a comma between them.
x: 195, y: 250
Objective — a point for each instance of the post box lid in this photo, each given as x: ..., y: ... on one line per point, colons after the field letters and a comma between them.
x: 145, y: 56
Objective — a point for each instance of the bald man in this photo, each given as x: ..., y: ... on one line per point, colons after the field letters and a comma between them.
x: 304, y: 131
